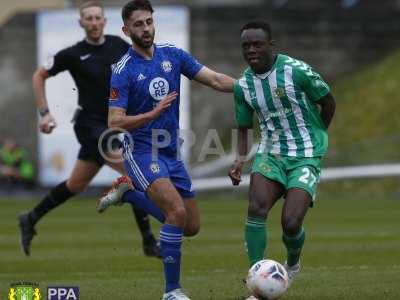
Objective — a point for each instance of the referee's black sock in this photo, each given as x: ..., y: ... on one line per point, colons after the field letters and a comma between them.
x: 54, y: 198
x: 143, y: 222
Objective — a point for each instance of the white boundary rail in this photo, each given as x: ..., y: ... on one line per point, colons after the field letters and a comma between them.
x: 329, y: 174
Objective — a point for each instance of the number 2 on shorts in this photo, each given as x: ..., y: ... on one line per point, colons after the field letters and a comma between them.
x: 305, y: 178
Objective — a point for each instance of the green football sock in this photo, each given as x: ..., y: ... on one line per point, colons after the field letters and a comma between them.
x: 256, y: 239
x: 294, y: 245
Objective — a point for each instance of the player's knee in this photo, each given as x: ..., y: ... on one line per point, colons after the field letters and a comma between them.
x: 291, y: 225
x: 257, y: 207
x: 176, y: 216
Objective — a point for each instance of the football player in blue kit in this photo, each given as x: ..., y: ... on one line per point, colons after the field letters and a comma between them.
x: 88, y: 62
x: 144, y: 100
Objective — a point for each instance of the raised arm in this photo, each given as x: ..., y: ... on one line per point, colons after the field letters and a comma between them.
x: 217, y: 81
x: 117, y: 116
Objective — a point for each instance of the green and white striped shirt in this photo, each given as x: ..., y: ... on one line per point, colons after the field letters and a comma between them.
x: 284, y: 100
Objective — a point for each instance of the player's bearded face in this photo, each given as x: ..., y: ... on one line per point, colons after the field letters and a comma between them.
x: 256, y: 49
x: 93, y: 22
x: 140, y: 28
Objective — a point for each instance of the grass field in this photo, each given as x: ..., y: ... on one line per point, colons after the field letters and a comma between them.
x: 352, y: 251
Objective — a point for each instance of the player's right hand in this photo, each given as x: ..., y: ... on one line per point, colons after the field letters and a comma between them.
x: 235, y: 174
x: 47, y: 124
x: 164, y: 104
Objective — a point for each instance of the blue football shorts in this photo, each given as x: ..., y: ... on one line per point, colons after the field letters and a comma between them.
x: 143, y: 170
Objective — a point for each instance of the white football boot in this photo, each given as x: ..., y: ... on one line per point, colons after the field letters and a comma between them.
x: 113, y: 196
x: 251, y: 298
x: 176, y: 294
x: 292, y: 271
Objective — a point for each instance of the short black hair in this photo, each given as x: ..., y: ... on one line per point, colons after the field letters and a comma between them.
x: 258, y: 25
x: 131, y: 6
x: 92, y: 3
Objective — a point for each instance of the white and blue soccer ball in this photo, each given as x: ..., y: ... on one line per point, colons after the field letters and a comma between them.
x: 267, y: 279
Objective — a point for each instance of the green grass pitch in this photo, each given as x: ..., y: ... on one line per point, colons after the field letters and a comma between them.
x: 351, y: 251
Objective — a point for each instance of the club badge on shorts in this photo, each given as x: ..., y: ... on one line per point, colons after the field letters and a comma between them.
x: 155, y: 168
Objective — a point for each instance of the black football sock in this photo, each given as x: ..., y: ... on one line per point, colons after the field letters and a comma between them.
x: 143, y: 222
x: 54, y: 198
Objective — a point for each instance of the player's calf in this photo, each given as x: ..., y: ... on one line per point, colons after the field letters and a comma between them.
x: 192, y: 226
x: 191, y: 229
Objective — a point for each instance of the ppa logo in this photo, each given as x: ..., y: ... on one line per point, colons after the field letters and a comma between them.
x: 62, y: 293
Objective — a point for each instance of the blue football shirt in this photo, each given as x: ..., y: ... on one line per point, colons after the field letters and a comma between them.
x: 137, y: 85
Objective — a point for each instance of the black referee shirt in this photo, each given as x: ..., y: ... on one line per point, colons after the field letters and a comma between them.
x: 90, y: 67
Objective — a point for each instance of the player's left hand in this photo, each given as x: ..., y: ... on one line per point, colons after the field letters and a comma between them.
x: 47, y: 124
x: 235, y: 174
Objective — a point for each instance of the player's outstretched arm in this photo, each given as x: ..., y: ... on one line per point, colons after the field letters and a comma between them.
x: 242, y: 151
x: 117, y: 116
x: 47, y: 121
x: 328, y: 107
x: 217, y: 81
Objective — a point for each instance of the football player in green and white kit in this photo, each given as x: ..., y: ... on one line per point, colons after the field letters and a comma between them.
x: 294, y: 107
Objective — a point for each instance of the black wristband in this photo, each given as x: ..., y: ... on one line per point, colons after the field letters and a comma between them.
x: 43, y: 111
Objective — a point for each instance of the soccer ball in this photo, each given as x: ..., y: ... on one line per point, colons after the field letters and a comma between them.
x: 267, y: 279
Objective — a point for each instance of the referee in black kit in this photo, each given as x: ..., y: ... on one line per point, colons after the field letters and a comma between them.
x: 89, y: 63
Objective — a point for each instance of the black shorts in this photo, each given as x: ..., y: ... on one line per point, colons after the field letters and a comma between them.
x: 88, y: 136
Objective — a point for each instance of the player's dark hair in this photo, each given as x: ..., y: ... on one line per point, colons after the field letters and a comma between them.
x: 258, y: 25
x: 131, y: 6
x: 87, y: 4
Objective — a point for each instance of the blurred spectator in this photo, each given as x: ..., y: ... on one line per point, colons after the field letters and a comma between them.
x: 15, y: 166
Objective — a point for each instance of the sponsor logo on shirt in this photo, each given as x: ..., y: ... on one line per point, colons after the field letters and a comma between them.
x: 85, y: 57
x: 141, y: 77
x: 167, y: 66
x: 159, y: 88
x: 113, y: 94
x: 280, y: 112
